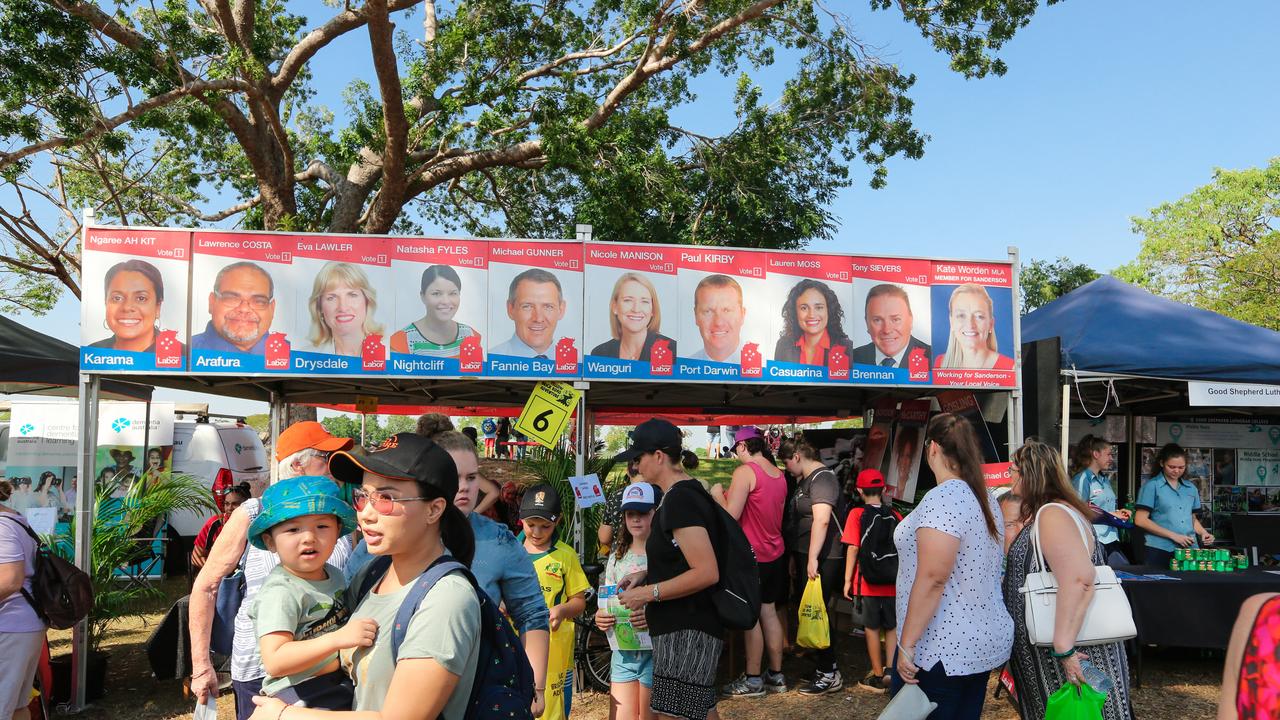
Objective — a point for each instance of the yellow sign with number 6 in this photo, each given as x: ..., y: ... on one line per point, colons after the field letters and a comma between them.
x: 547, y: 412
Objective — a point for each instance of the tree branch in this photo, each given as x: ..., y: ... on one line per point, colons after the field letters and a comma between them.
x: 391, y: 196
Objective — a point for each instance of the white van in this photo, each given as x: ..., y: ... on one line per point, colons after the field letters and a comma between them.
x: 209, y: 448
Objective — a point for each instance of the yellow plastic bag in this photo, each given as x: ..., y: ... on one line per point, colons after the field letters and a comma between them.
x: 814, y: 630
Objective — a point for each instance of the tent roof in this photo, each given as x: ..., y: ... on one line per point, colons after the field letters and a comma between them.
x: 32, y: 363
x: 607, y: 415
x: 1109, y: 326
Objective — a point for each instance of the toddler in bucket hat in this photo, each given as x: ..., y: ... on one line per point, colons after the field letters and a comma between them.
x: 299, y: 615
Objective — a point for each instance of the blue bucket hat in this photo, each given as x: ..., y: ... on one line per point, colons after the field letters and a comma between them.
x: 295, y: 497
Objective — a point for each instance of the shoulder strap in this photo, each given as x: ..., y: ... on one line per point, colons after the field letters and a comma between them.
x: 421, y: 587
x: 372, y: 573
x: 1035, y: 532
x: 24, y: 526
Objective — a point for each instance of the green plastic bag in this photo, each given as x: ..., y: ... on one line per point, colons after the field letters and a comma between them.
x: 1075, y: 703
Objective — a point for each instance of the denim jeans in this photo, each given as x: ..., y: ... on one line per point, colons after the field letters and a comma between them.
x: 959, y: 697
x: 244, y: 692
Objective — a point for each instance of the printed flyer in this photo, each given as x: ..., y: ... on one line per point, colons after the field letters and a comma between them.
x: 340, y: 318
x: 631, y: 337
x: 973, y: 325
x: 441, y: 295
x: 535, y: 309
x: 891, y: 331
x: 134, y: 286
x: 811, y: 329
x: 724, y: 314
x: 624, y: 635
x: 239, y: 283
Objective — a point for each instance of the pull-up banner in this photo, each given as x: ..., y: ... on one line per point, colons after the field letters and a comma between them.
x: 263, y: 303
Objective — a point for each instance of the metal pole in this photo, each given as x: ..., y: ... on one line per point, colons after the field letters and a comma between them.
x: 1065, y: 438
x: 1015, y: 398
x: 276, y: 415
x: 362, y: 417
x: 580, y: 469
x: 1133, y: 470
x: 86, y: 489
x: 146, y: 436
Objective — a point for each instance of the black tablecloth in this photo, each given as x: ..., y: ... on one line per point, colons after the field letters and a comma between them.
x: 1197, y: 611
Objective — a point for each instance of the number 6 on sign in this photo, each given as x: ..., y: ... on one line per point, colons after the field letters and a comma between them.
x: 547, y: 412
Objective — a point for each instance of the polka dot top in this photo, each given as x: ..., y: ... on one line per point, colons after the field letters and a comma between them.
x: 971, y: 631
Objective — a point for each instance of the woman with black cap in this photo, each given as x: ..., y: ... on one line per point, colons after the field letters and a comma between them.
x: 404, y: 505
x: 677, y: 590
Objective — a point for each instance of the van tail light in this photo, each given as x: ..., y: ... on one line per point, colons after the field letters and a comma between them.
x: 221, y: 483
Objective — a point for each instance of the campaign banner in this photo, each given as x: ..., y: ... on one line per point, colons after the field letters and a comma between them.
x: 965, y: 404
x: 340, y: 318
x: 634, y: 335
x: 973, y: 320
x: 908, y: 450
x: 809, y: 325
x: 891, y: 333
x: 441, y: 298
x: 241, y: 302
x: 875, y: 455
x: 997, y: 474
x: 133, y: 314
x: 724, y: 314
x: 133, y: 446
x: 535, y: 309
x: 1239, y: 435
x: 42, y: 455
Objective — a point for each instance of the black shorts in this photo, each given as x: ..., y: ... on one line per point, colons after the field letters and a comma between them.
x: 878, y: 613
x: 775, y: 580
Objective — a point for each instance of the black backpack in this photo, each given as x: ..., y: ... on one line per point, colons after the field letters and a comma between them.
x: 61, y: 593
x: 737, y: 595
x: 877, y: 555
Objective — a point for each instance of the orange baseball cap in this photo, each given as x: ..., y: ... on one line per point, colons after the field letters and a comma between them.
x: 308, y: 434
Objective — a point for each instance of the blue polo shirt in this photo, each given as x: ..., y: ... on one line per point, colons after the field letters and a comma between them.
x: 1170, y: 509
x: 1093, y: 488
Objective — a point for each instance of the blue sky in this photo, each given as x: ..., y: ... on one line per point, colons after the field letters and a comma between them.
x: 1108, y: 109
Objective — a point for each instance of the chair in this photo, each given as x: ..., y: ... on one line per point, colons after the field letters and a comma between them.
x: 148, y: 555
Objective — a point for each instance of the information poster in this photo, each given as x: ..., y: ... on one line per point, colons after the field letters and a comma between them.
x: 441, y: 293
x: 809, y: 325
x: 43, y: 439
x: 908, y: 449
x: 1220, y: 435
x: 891, y: 330
x: 634, y: 334
x: 723, y: 315
x: 241, y: 309
x: 128, y: 452
x: 1258, y: 466
x: 342, y: 305
x: 535, y: 309
x: 134, y: 290
x: 973, y: 319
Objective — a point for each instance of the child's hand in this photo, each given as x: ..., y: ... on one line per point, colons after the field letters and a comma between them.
x: 605, y: 620
x: 555, y: 616
x: 358, y: 632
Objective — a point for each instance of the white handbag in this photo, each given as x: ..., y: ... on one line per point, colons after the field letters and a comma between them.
x: 1109, y: 617
x: 909, y: 704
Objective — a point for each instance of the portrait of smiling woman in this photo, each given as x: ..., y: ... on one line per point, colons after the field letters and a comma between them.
x: 436, y: 333
x: 813, y: 323
x: 133, y: 296
x: 342, y: 304
x: 635, y: 314
x: 972, y: 342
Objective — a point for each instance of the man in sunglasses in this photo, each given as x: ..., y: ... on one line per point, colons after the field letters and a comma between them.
x: 241, y: 308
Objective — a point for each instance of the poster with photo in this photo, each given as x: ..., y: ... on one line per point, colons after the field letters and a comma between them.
x: 134, y: 287
x: 129, y: 450
x: 440, y: 293
x: 1200, y: 471
x: 42, y: 455
x: 242, y: 294
x: 1228, y: 499
x: 890, y: 328
x: 342, y: 304
x: 1258, y: 499
x: 535, y: 309
x: 1224, y: 467
x: 965, y: 404
x: 1254, y: 435
x: 973, y: 318
x: 723, y: 315
x: 808, y: 339
x: 907, y: 450
x: 883, y: 414
x: 1147, y: 463
x: 631, y: 332
x: 1256, y: 466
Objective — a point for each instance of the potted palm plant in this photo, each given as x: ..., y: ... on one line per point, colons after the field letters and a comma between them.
x: 127, y: 520
x: 555, y: 466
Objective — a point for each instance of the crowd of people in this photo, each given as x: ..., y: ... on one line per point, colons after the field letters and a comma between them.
x: 379, y: 599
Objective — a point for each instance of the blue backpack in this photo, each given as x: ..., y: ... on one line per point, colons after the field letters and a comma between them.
x: 503, y: 685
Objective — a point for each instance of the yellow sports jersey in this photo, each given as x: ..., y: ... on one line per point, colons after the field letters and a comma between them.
x: 561, y: 577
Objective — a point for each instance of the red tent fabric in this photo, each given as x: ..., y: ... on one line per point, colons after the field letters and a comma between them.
x: 606, y: 415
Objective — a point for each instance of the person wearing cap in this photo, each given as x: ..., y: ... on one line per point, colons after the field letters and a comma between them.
x: 564, y: 589
x: 631, y: 667
x: 875, y: 601
x: 756, y: 496
x: 676, y: 592
x: 299, y: 608
x: 403, y: 498
x: 302, y: 449
x: 815, y: 541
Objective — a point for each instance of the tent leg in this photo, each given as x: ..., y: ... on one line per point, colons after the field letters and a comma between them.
x: 86, y: 489
x: 1133, y: 470
x: 580, y: 469
x: 1065, y: 438
x: 276, y: 420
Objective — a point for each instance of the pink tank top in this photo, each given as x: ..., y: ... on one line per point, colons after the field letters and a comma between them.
x: 761, y: 517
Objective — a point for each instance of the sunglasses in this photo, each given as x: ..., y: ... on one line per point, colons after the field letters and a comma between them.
x: 383, y: 504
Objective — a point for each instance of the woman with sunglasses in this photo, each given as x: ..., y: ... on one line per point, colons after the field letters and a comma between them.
x: 404, y: 503
x: 302, y: 449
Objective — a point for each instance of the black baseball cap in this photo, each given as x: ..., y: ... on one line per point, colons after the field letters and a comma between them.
x: 540, y: 501
x: 403, y: 456
x: 650, y: 435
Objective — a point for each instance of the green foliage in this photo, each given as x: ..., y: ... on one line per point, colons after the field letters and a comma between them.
x: 847, y: 423
x: 124, y: 522
x: 374, y: 431
x: 615, y: 439
x: 1218, y: 247
x: 1043, y: 281
x: 555, y: 467
x: 260, y: 422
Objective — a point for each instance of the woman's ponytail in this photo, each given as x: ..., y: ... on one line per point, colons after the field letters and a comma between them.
x: 457, y: 536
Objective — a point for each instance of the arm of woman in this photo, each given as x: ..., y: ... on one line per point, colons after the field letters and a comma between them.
x: 1073, y: 568
x: 420, y: 688
x: 818, y: 536
x: 1143, y: 520
x: 223, y: 558
x: 740, y: 486
x: 12, y: 575
x: 522, y: 597
x: 1235, y: 655
x: 490, y: 492
x: 937, y: 551
x: 703, y: 572
x: 1205, y: 536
